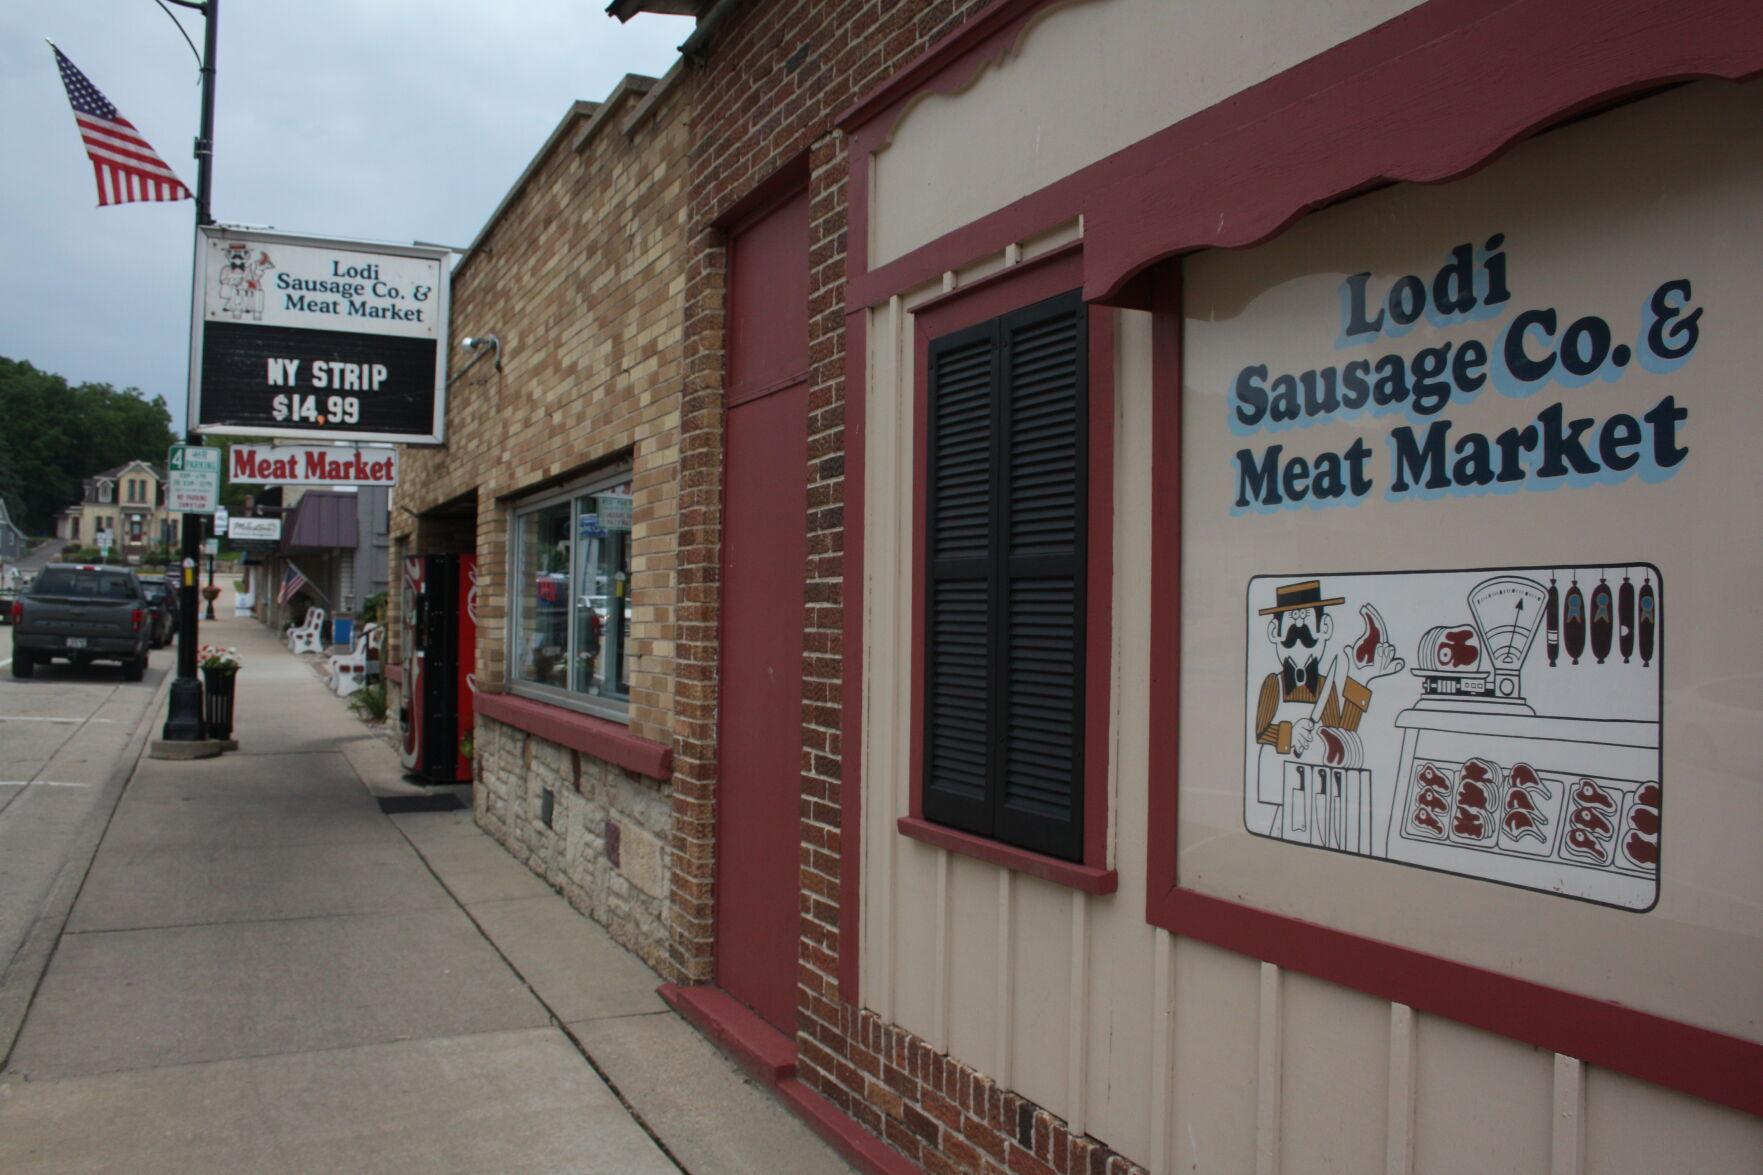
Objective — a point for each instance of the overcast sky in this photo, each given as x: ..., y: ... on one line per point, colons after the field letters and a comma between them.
x: 396, y: 120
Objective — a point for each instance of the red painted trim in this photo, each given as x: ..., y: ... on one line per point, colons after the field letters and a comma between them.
x: 842, y: 1132
x: 1099, y: 592
x: 767, y: 1055
x: 1021, y: 285
x: 962, y: 53
x: 1366, y: 111
x: 1088, y: 878
x: 1373, y: 111
x: 1412, y: 99
x: 851, y: 653
x: 762, y: 198
x: 580, y: 732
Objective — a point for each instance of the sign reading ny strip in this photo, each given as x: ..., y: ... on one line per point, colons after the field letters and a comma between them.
x: 337, y: 340
x: 332, y: 465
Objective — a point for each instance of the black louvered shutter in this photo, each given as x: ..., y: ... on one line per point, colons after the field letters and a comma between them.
x: 959, y: 599
x: 1005, y: 694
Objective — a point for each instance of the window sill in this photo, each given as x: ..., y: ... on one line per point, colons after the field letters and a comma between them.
x: 580, y: 732
x: 1087, y: 878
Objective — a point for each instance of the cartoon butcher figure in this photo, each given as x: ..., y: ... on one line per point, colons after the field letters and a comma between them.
x: 241, y: 282
x: 1314, y: 693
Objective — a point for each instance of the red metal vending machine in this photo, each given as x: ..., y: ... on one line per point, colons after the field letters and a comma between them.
x: 439, y: 601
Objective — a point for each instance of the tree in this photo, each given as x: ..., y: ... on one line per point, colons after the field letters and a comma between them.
x: 53, y: 434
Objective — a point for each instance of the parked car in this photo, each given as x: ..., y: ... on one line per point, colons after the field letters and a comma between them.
x: 165, y: 610
x: 82, y: 613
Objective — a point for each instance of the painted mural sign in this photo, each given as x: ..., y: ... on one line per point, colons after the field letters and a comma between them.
x: 1428, y: 454
x: 1502, y: 724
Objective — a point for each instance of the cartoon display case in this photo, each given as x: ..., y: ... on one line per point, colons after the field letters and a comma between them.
x: 1489, y: 786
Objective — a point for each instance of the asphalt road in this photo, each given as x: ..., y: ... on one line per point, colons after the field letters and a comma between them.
x: 68, y: 739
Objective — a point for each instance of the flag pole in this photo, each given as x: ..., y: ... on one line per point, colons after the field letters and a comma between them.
x: 183, y: 721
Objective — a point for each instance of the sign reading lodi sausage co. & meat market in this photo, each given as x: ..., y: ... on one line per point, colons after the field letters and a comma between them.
x: 327, y: 339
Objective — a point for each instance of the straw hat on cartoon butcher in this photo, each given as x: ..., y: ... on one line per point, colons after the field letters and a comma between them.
x: 1313, y: 689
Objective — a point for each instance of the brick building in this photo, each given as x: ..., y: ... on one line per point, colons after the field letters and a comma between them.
x: 995, y: 839
x: 981, y: 953
x: 570, y: 422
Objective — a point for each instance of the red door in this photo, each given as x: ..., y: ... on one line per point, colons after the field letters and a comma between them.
x: 764, y: 560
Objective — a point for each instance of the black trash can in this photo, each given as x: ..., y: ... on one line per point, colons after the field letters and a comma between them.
x: 217, y: 701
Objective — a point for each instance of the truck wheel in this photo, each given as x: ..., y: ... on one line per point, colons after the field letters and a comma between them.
x: 136, y: 669
x: 22, y: 664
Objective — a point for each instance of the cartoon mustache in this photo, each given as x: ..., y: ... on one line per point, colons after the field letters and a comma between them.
x: 1299, y: 634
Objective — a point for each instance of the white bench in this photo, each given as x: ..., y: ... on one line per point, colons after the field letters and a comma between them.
x: 304, y: 638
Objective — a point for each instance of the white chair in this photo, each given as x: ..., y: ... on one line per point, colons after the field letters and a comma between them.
x: 305, y: 638
x: 349, y: 670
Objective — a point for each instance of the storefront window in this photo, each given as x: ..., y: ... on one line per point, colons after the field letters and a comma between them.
x: 571, y: 619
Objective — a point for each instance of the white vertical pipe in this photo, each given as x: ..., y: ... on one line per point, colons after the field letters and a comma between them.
x: 1005, y: 1006
x: 1162, y: 1051
x: 1077, y: 1053
x: 945, y: 962
x: 1567, y: 1126
x: 1399, y: 1118
x: 1270, y: 1042
x: 891, y: 780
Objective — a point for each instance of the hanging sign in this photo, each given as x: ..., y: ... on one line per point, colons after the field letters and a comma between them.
x: 341, y: 340
x: 254, y: 529
x: 313, y: 465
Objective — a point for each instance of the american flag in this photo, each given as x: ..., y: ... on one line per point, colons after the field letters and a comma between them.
x: 292, y: 582
x: 126, y: 167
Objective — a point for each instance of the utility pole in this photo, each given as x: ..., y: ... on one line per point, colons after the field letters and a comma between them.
x: 183, y: 720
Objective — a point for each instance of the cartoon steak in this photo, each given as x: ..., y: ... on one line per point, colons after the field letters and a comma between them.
x: 1584, y: 845
x: 1645, y: 820
x: 1592, y: 822
x: 1470, y: 824
x: 1648, y: 795
x: 1427, y: 822
x: 1588, y: 793
x: 1640, y: 850
x: 1519, y: 800
x: 1520, y: 824
x: 1432, y: 799
x: 1365, y: 648
x: 1525, y: 776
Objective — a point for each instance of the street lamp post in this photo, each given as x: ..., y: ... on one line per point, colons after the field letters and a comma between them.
x: 183, y: 720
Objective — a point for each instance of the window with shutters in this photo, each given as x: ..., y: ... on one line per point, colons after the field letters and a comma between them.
x: 1006, y: 534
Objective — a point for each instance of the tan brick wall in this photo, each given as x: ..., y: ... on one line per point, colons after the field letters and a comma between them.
x: 582, y: 278
x: 775, y: 78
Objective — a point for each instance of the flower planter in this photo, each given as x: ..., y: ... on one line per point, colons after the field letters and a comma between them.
x: 217, y: 701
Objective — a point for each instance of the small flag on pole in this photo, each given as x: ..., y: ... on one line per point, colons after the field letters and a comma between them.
x: 125, y: 165
x: 292, y: 582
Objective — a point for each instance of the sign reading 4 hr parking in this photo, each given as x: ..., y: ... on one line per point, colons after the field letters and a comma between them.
x: 327, y: 339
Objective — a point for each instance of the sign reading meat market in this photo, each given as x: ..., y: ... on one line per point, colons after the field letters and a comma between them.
x: 329, y: 339
x: 313, y: 465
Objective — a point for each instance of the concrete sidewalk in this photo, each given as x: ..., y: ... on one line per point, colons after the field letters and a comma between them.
x: 264, y: 972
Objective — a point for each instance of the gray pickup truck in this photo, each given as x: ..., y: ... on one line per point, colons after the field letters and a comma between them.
x: 82, y: 614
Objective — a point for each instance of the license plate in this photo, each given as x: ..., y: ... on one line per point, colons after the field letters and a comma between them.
x: 76, y: 642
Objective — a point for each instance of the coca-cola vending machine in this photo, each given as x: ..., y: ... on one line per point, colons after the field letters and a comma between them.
x: 439, y: 602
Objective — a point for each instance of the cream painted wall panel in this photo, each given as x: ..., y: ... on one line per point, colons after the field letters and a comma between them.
x: 1042, y: 1016
x: 1217, y: 1002
x: 1123, y: 69
x: 1335, y: 1079
x: 917, y: 960
x: 1122, y: 960
x: 973, y: 1021
x: 1633, y: 1128
x: 1482, y: 1102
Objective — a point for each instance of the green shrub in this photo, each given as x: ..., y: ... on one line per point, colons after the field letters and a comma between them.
x: 369, y: 702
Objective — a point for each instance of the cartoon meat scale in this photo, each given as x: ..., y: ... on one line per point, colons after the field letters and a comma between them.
x: 1489, y: 787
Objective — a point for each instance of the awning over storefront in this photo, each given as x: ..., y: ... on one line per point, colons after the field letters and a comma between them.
x: 321, y: 522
